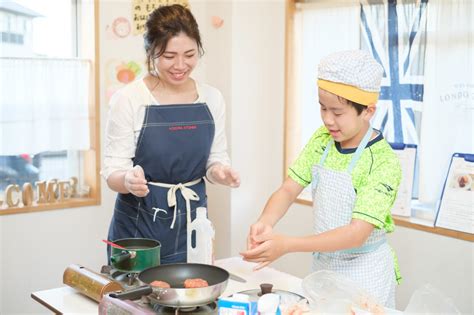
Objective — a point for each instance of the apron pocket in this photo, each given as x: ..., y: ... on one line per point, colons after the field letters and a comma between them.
x: 126, y: 210
x: 125, y: 218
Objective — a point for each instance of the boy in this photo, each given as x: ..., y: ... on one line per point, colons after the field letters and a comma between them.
x: 355, y: 177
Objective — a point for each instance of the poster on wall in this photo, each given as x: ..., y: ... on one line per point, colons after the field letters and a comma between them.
x: 406, y: 154
x: 456, y: 210
x: 119, y: 72
x: 119, y: 28
x: 142, y: 8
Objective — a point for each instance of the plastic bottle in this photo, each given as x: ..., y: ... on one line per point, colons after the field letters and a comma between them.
x: 203, y: 252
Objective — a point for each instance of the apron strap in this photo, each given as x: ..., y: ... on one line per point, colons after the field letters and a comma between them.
x: 366, y: 248
x: 326, y: 152
x: 188, y: 195
x: 360, y: 149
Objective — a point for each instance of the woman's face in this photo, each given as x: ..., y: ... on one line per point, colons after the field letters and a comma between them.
x: 178, y: 60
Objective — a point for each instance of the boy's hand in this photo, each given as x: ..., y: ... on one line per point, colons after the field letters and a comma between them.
x: 271, y: 247
x: 135, y: 182
x: 256, y: 229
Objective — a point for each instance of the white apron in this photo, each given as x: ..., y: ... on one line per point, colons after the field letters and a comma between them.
x: 371, y: 265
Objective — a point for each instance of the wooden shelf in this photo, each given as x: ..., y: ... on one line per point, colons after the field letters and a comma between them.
x: 70, y: 203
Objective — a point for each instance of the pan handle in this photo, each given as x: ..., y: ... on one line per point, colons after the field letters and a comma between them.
x: 134, y: 294
x: 118, y: 258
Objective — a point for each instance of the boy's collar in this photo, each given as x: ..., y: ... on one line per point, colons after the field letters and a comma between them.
x: 341, y: 150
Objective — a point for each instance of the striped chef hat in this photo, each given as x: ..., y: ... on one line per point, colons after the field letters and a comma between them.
x: 353, y: 75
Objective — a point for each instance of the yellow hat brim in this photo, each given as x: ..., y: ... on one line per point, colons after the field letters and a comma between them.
x: 349, y: 92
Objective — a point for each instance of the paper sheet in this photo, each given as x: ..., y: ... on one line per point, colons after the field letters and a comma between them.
x: 456, y: 211
x: 402, y: 206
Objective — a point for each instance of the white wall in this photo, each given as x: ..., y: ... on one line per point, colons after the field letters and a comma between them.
x: 257, y: 108
x: 444, y: 262
x: 38, y: 247
x: 216, y: 68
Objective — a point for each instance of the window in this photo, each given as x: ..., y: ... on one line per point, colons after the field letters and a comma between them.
x: 49, y: 148
x: 428, y: 51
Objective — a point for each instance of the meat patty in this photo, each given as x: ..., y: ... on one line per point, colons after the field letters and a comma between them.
x: 195, y: 283
x: 160, y: 284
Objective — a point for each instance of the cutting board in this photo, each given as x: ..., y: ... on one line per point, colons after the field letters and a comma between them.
x: 244, y: 269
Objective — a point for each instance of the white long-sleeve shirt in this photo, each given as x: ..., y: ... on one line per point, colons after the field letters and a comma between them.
x: 126, y: 115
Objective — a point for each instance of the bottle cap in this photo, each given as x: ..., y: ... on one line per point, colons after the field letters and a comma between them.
x: 201, y: 212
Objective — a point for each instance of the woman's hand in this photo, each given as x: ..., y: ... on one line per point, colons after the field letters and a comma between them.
x: 271, y: 247
x: 224, y: 175
x: 135, y: 182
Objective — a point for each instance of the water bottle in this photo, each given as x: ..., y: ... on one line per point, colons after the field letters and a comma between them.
x: 203, y: 250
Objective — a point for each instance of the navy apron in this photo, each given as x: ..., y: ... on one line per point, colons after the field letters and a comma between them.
x: 173, y: 148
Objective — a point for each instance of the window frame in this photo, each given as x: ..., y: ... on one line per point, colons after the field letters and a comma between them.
x: 86, y: 11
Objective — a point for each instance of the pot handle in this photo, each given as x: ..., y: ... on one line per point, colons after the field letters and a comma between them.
x: 124, y: 255
x: 133, y: 294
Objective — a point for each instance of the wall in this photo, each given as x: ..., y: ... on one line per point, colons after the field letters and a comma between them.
x: 444, y: 262
x: 37, y: 248
x: 216, y: 70
x: 257, y: 108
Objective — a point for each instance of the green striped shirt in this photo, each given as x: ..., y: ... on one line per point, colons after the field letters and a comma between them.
x: 376, y: 176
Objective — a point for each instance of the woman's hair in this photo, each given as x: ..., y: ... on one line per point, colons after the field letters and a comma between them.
x: 165, y: 23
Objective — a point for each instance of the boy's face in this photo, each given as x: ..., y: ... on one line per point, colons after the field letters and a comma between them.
x: 345, y: 125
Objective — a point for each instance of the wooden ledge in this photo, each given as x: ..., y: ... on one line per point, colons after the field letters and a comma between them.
x: 70, y: 203
x: 412, y: 224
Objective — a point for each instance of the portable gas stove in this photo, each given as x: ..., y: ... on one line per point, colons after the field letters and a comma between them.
x: 128, y: 280
x: 146, y: 305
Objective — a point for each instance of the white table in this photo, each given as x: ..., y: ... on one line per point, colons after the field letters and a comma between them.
x: 66, y: 300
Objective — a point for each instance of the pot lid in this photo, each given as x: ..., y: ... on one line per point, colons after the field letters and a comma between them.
x: 286, y: 297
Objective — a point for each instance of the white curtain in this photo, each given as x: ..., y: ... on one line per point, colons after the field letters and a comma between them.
x: 44, y: 105
x: 448, y: 111
x: 321, y: 27
x: 325, y: 27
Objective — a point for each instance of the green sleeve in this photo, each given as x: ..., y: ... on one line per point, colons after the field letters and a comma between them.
x: 301, y: 170
x: 376, y: 197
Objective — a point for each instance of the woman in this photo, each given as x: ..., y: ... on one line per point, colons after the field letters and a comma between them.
x: 164, y: 133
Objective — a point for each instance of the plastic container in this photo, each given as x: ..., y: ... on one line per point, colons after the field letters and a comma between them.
x: 203, y: 251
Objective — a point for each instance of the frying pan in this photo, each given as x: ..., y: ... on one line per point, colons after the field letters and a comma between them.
x: 177, y: 295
